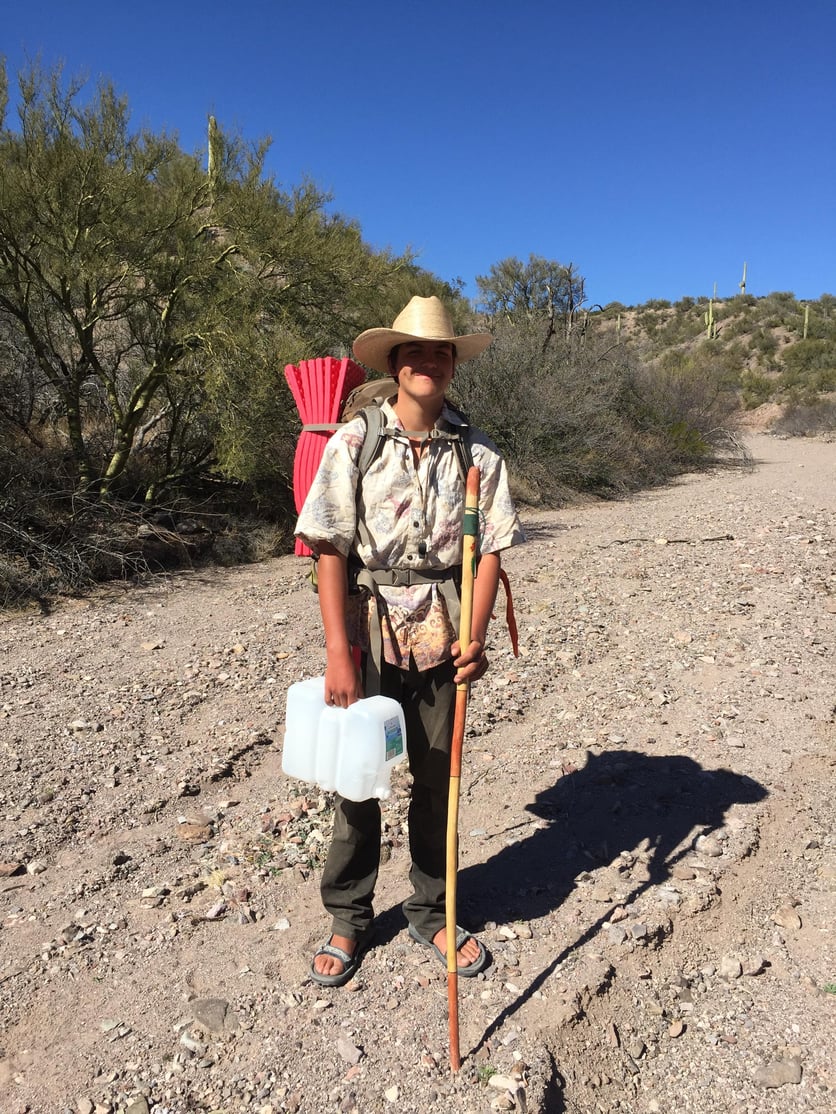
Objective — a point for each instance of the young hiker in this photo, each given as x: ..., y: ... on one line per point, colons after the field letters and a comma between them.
x: 389, y: 548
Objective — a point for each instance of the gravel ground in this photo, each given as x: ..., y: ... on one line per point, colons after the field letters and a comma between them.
x: 647, y: 835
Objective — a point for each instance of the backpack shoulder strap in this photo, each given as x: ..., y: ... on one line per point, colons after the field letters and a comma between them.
x: 464, y: 454
x: 373, y: 439
x: 461, y: 441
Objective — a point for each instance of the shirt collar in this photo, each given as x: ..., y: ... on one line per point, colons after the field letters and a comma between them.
x: 448, y: 416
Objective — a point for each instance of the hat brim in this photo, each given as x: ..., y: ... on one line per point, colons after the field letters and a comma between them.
x: 372, y: 347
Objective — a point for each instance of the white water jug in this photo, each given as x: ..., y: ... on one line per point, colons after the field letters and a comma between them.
x: 350, y: 749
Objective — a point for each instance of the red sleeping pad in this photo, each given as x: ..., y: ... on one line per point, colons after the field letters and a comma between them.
x: 320, y: 388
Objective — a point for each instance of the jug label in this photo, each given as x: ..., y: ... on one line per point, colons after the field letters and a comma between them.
x: 394, y: 738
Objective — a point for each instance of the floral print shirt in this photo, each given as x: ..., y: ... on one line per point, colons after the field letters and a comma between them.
x: 413, y: 520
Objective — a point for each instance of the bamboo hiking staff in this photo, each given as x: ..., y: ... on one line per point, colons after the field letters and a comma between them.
x: 470, y: 535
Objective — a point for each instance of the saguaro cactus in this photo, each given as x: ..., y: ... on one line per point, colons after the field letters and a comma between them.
x: 806, y: 321
x: 710, y: 323
x: 213, y: 156
x: 742, y: 283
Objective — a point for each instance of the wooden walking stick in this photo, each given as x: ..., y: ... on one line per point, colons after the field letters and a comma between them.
x: 470, y: 534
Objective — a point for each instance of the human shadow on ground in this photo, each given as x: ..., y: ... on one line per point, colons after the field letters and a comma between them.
x: 619, y: 801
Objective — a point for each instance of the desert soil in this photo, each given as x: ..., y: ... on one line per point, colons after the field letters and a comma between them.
x: 647, y: 834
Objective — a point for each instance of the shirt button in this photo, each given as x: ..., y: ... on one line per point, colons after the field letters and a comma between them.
x: 409, y: 556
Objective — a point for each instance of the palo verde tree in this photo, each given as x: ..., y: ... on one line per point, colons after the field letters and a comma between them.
x: 539, y: 290
x: 102, y: 256
x: 156, y: 299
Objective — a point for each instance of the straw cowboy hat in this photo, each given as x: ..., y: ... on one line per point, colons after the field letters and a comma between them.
x: 422, y: 319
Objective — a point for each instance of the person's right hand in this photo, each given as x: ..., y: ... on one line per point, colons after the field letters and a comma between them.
x: 342, y: 681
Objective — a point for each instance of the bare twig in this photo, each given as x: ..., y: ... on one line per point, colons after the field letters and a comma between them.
x: 668, y: 541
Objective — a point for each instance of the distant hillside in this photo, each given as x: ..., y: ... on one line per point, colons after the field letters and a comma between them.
x: 778, y: 352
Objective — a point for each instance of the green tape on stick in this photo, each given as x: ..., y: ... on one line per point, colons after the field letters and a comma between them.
x: 470, y: 526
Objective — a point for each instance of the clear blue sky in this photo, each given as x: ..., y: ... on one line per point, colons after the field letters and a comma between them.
x: 655, y: 144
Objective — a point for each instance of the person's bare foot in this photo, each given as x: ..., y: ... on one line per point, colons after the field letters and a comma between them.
x: 330, y: 964
x: 468, y: 953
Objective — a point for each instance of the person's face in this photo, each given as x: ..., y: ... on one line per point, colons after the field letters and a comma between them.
x: 424, y: 368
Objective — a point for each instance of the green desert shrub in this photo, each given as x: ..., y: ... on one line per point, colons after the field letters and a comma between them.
x: 807, y: 418
x: 578, y: 415
x: 810, y: 363
x: 755, y: 388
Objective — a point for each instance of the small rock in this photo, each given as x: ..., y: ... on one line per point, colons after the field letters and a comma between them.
x: 8, y: 870
x: 151, y: 892
x: 213, y: 1014
x: 730, y: 968
x: 139, y: 1105
x: 502, y: 1082
x: 503, y: 1102
x: 84, y: 1106
x: 37, y: 866
x: 195, y: 1046
x: 635, y: 1048
x: 215, y: 911
x: 391, y: 1094
x: 778, y: 1073
x: 191, y: 831
x: 617, y: 933
x: 676, y: 1028
x: 348, y: 1051
x: 709, y: 846
x: 787, y: 918
x: 754, y: 965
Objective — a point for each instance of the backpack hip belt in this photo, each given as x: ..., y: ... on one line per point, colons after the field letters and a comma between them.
x: 360, y: 576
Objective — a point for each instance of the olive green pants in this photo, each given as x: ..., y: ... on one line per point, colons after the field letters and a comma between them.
x: 428, y: 700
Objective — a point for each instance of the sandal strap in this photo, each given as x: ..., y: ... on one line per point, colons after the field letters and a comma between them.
x: 336, y: 953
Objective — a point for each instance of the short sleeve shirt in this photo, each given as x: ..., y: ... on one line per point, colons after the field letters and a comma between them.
x: 413, y: 518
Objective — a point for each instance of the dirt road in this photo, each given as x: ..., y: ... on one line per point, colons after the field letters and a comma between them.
x: 647, y: 835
